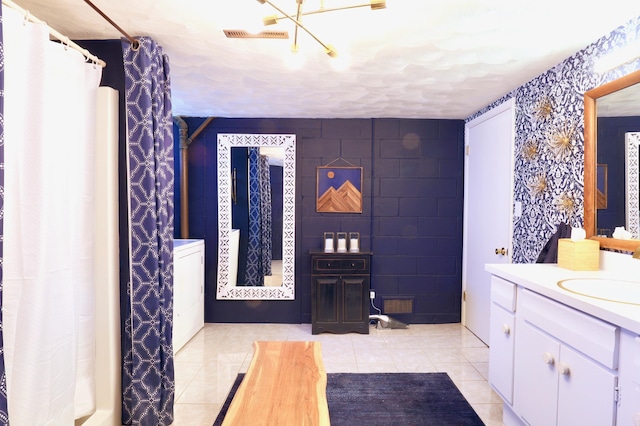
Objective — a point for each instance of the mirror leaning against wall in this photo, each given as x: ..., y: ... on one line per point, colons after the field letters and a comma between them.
x: 611, y: 102
x: 261, y: 286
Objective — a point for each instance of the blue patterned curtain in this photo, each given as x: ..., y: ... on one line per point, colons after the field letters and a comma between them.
x: 4, y: 412
x: 259, y: 245
x: 265, y: 217
x: 148, y: 374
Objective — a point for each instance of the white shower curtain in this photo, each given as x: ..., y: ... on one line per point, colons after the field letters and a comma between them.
x: 48, y: 292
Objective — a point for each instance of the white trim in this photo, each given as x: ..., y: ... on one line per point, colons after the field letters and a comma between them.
x: 225, y: 289
x: 499, y: 109
x: 632, y: 174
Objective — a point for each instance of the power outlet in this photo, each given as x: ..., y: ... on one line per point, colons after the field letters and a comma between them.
x: 372, y: 294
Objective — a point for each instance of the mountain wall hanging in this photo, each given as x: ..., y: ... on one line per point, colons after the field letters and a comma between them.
x: 339, y: 189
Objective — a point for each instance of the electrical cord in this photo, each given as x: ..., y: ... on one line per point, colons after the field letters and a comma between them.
x: 374, y: 307
x: 374, y: 321
x: 371, y: 320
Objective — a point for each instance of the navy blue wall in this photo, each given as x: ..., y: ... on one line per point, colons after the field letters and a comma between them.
x: 611, y: 131
x: 417, y: 215
x: 411, y: 219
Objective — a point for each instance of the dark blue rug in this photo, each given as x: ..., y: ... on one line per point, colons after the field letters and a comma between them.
x: 400, y: 399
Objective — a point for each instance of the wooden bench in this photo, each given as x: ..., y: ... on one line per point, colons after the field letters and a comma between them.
x: 285, y: 384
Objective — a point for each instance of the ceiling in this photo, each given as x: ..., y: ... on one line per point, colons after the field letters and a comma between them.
x: 414, y: 59
x: 622, y: 103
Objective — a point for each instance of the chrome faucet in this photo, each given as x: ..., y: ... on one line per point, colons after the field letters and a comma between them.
x: 636, y: 254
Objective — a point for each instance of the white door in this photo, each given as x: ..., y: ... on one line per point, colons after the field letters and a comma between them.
x: 489, y: 141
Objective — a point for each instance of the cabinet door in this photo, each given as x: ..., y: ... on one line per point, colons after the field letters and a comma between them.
x: 355, y: 292
x: 585, y: 391
x: 326, y: 299
x: 629, y: 378
x: 536, y: 378
x: 501, y: 333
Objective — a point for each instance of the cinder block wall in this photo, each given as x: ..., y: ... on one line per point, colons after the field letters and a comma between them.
x: 411, y: 219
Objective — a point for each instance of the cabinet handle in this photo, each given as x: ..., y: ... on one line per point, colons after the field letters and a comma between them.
x: 506, y: 329
x: 563, y: 369
x: 547, y: 357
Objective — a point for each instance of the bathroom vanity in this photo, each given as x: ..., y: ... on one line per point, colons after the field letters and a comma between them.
x: 561, y: 352
x: 188, y: 290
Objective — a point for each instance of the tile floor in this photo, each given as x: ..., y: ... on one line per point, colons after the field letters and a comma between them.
x: 206, y: 367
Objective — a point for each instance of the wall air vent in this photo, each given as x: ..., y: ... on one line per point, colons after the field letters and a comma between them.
x: 263, y: 34
x: 397, y: 305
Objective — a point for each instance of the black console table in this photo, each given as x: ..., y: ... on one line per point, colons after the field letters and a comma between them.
x: 340, y: 292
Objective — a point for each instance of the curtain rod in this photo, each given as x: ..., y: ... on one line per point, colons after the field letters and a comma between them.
x: 64, y: 39
x: 132, y: 40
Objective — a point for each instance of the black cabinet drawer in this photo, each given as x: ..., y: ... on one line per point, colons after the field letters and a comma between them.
x: 323, y: 265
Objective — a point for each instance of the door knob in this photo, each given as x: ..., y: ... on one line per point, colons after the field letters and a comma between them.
x: 502, y: 251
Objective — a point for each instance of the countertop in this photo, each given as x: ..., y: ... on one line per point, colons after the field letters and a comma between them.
x: 183, y: 242
x: 542, y: 278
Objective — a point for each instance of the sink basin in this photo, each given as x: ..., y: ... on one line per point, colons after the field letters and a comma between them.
x: 612, y: 290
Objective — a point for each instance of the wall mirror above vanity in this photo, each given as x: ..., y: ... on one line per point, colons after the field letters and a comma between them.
x: 612, y: 99
x: 232, y: 285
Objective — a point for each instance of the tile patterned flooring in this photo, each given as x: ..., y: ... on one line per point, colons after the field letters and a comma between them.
x: 207, y: 365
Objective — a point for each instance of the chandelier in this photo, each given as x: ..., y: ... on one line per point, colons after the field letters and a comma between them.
x: 296, y: 18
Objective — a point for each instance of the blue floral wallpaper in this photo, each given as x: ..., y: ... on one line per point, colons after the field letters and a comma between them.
x: 549, y: 142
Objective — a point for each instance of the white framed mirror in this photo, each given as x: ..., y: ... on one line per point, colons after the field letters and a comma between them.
x: 227, y: 288
x: 632, y: 182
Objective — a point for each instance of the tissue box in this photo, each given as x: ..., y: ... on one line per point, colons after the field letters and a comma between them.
x: 581, y: 255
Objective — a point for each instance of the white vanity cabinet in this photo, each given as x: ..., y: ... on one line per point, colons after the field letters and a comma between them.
x: 629, y: 379
x: 565, y: 365
x: 188, y: 290
x: 501, y: 335
x: 576, y: 355
x: 551, y: 364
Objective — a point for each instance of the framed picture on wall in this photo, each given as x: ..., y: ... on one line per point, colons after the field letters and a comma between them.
x: 601, y: 185
x: 338, y: 189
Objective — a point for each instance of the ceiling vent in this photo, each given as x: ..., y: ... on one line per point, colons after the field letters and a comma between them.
x: 263, y: 34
